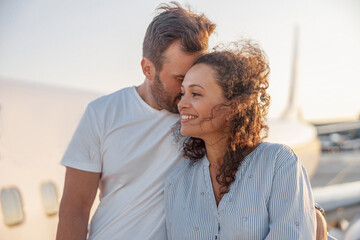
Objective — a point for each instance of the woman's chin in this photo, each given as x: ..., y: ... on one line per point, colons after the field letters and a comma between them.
x: 186, y: 132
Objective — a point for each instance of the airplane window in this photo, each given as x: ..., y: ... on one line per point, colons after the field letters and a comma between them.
x: 12, y: 207
x: 50, y: 198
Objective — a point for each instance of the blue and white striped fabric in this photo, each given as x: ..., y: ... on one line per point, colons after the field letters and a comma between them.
x: 271, y: 198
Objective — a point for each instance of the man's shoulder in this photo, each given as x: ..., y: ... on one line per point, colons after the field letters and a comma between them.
x: 107, y: 108
x: 112, y: 99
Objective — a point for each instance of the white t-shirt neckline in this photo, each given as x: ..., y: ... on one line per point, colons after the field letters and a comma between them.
x: 146, y: 105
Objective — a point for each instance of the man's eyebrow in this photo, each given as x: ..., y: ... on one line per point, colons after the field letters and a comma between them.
x: 194, y: 85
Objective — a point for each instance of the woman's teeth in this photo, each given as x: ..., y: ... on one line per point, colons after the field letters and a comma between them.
x: 188, y: 117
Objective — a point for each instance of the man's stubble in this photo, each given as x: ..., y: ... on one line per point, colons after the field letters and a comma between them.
x: 162, y: 98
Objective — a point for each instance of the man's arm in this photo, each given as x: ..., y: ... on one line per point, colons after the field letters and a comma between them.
x: 321, y: 229
x: 79, y: 193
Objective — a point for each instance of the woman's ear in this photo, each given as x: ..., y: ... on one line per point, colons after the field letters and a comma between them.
x: 228, y: 117
x: 228, y: 114
x: 148, y: 69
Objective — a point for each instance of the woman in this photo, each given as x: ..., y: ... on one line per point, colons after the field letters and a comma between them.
x: 235, y: 186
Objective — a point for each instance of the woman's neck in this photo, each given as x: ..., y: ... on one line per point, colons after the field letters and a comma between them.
x: 216, y: 150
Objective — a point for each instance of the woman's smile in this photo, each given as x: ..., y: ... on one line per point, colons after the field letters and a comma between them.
x: 187, y: 117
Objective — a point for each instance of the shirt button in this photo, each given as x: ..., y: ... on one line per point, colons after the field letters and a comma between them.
x: 245, y: 218
x: 196, y: 228
x: 297, y: 223
x: 202, y: 194
x: 251, y: 176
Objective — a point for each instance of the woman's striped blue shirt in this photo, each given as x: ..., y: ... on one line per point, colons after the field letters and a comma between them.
x: 271, y: 198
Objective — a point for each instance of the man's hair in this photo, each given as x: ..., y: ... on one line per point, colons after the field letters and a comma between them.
x: 175, y: 23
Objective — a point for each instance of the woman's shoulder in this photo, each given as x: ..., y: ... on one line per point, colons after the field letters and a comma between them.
x: 276, y: 148
x: 179, y: 172
x: 277, y: 153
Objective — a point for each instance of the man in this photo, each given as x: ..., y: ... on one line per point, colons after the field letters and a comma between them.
x: 123, y: 144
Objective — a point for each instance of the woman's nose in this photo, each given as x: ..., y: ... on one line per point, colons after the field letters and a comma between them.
x: 183, y: 103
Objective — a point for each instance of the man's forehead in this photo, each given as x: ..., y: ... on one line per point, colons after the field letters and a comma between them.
x: 181, y: 59
x: 180, y: 52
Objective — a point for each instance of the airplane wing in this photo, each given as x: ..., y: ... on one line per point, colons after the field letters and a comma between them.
x: 338, y: 127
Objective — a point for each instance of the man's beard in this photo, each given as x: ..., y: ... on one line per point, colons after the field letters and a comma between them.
x: 163, y: 98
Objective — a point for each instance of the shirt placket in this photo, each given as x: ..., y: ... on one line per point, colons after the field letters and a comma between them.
x: 221, y: 209
x: 217, y: 212
x: 217, y: 235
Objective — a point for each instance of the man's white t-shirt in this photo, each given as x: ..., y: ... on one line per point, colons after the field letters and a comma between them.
x: 131, y: 144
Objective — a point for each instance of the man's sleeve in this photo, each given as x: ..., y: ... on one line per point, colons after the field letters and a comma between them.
x: 291, y: 203
x: 83, y: 152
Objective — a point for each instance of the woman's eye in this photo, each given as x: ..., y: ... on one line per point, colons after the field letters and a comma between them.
x: 181, y: 94
x: 195, y: 94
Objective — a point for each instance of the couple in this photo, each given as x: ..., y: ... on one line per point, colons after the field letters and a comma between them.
x: 224, y: 183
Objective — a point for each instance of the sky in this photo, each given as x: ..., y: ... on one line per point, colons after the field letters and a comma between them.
x: 96, y: 45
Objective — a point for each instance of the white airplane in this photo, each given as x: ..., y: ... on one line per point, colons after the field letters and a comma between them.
x: 338, y: 127
x: 36, y: 124
x: 341, y: 202
x: 290, y: 129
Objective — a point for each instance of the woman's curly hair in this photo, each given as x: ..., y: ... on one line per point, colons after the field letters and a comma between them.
x: 242, y: 72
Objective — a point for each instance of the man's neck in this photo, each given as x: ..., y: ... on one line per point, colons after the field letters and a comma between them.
x: 144, y: 91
